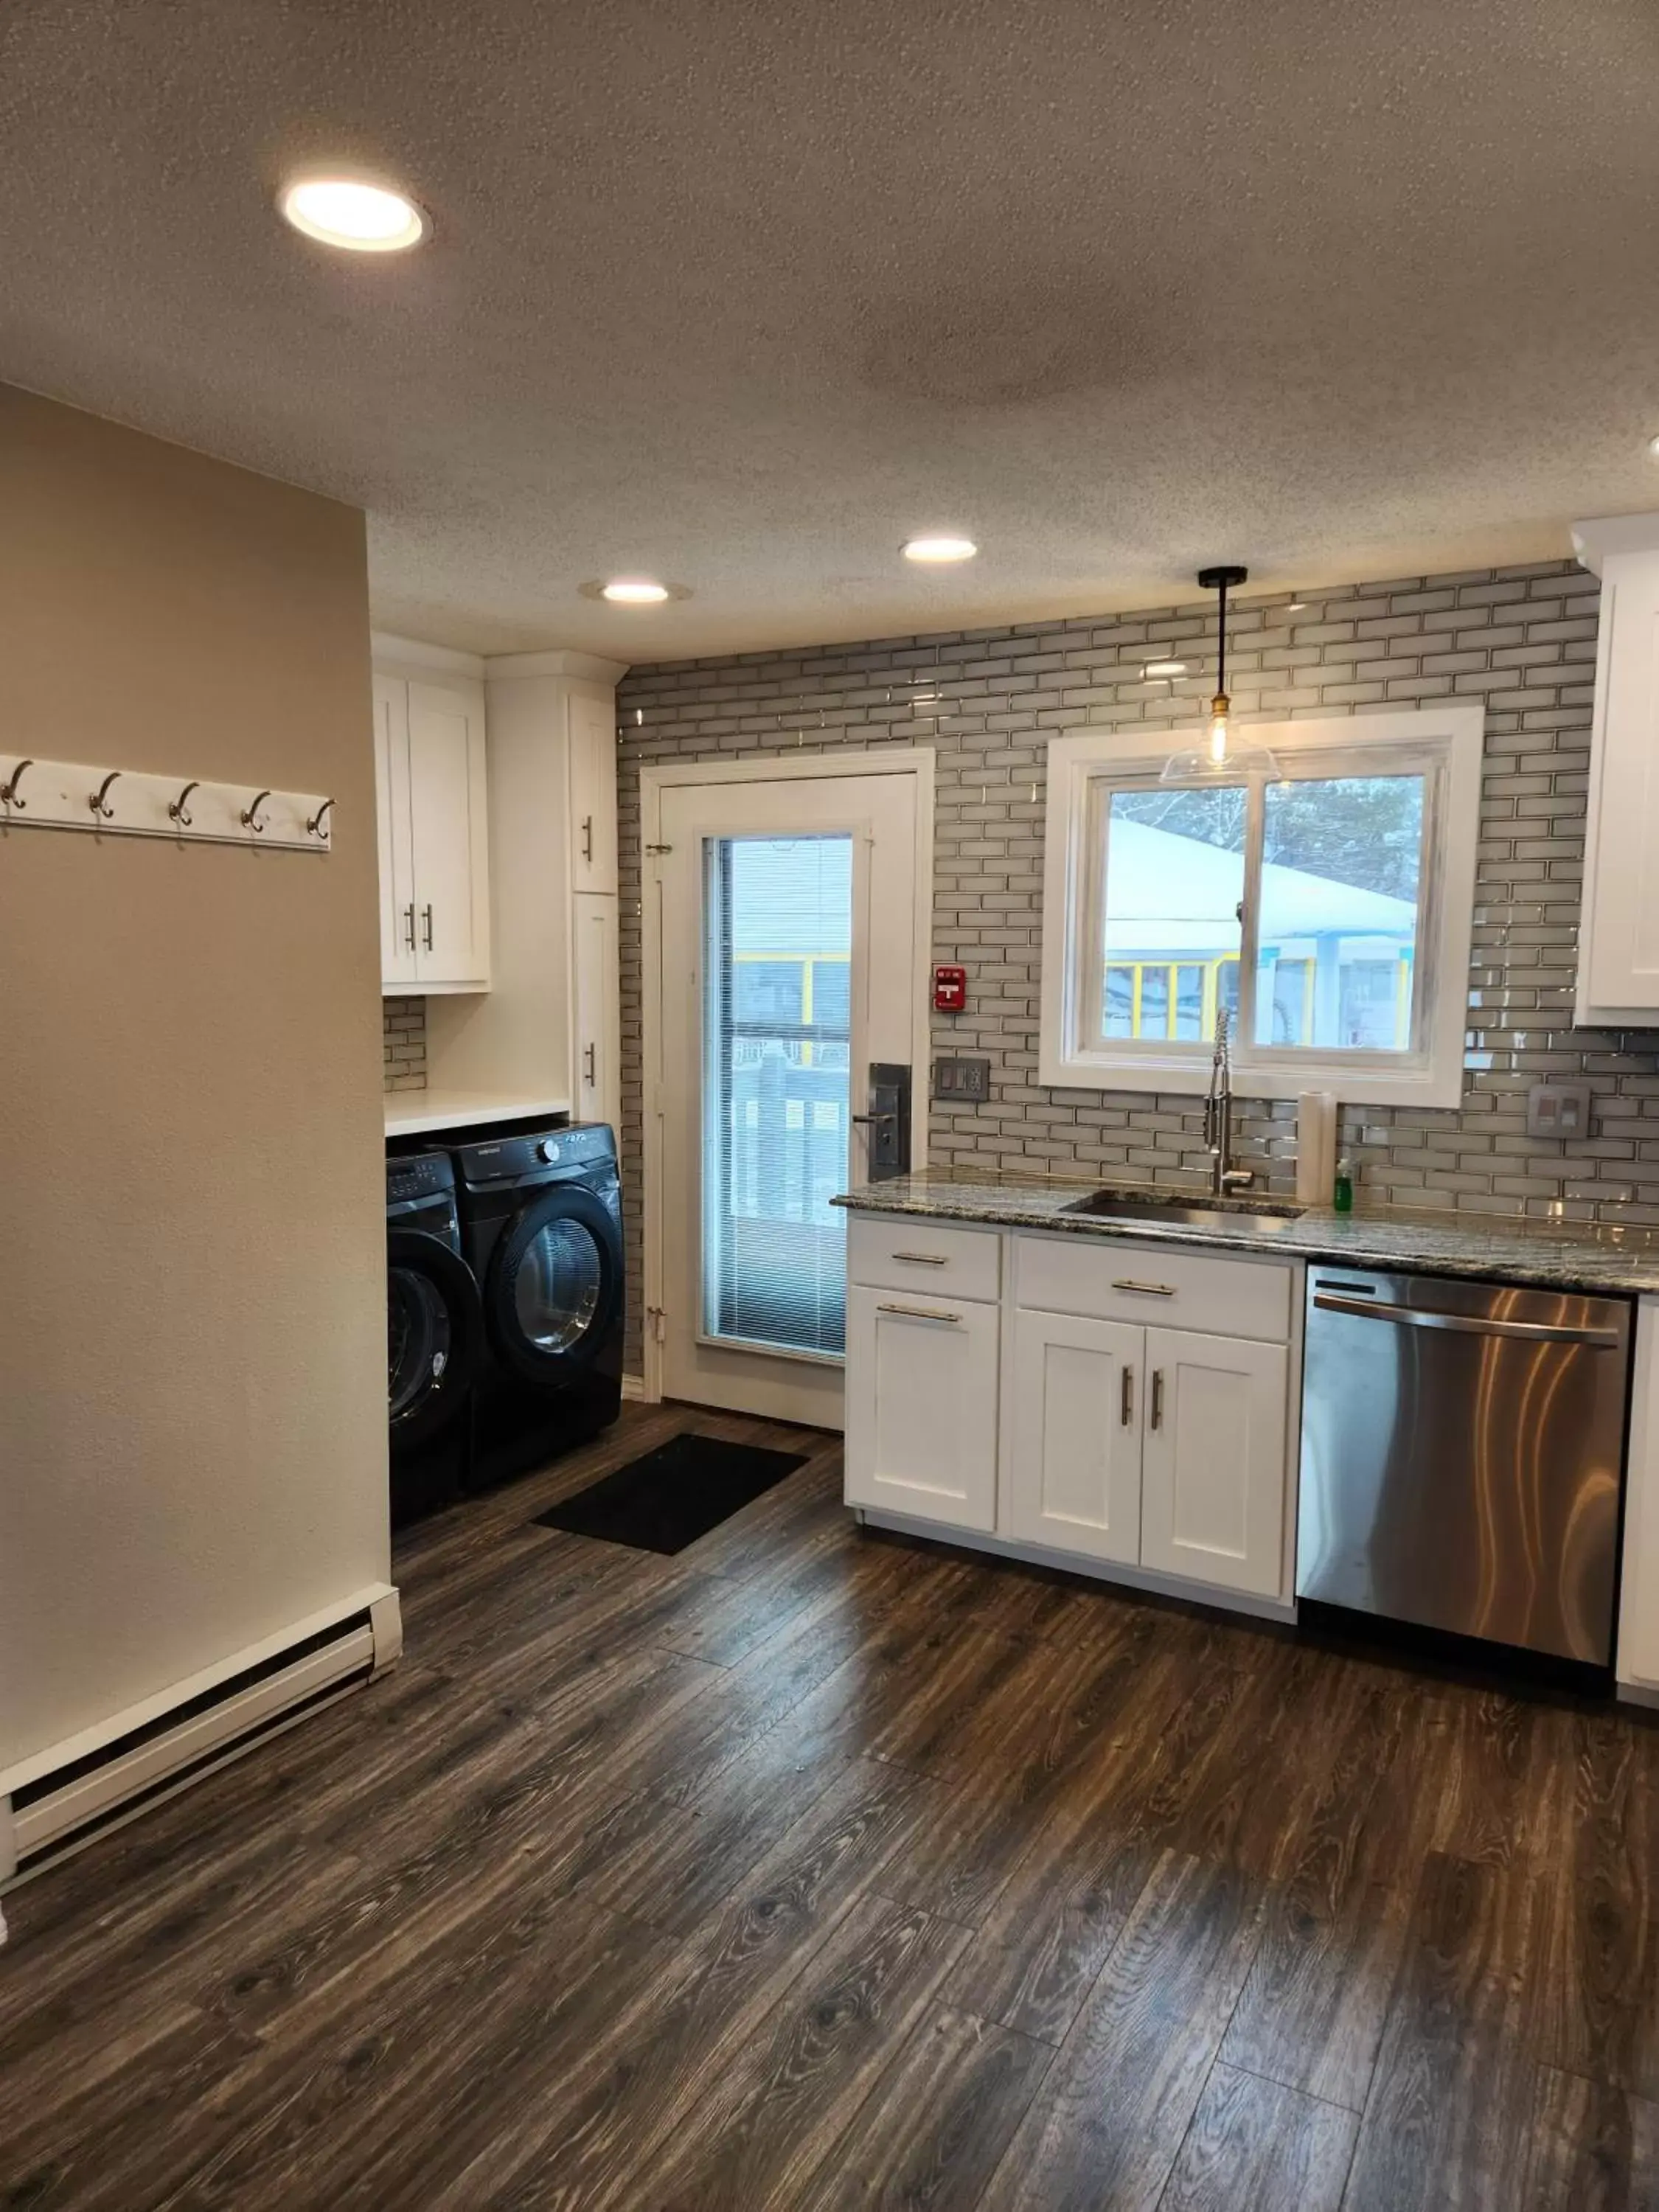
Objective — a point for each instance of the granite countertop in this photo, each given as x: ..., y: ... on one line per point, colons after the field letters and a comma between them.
x: 1576, y: 1255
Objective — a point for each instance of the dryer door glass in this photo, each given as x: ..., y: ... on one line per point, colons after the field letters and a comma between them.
x: 556, y: 1289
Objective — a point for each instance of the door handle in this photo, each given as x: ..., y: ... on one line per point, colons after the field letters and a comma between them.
x: 920, y: 1313
x: 1530, y: 1332
x: 587, y: 837
x: 409, y: 928
x: 1127, y: 1412
x: 426, y: 926
x: 1155, y: 1418
x: 590, y: 1055
x: 873, y: 1119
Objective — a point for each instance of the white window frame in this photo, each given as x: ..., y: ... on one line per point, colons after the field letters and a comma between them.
x: 1445, y: 740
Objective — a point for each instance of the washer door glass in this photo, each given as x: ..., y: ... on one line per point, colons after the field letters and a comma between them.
x: 557, y: 1285
x: 419, y: 1339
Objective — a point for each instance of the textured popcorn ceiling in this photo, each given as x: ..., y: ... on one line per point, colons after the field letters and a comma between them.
x: 742, y: 295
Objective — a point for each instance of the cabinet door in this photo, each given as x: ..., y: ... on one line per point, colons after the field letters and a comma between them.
x: 1074, y: 1480
x: 592, y: 795
x: 921, y: 1406
x: 448, y: 837
x: 392, y: 824
x: 1619, y: 937
x: 596, y: 1037
x: 1213, y: 1466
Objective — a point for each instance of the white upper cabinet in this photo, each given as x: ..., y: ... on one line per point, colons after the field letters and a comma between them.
x: 392, y: 812
x: 1618, y: 933
x: 434, y: 834
x: 592, y: 795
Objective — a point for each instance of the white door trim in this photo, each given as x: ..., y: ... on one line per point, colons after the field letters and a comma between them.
x: 654, y: 780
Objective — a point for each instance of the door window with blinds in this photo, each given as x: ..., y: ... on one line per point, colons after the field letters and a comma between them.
x: 777, y: 1097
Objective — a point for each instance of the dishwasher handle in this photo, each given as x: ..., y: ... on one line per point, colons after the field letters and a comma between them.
x: 1531, y: 1332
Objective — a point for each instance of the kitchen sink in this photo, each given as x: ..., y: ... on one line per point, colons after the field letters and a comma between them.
x: 1185, y: 1210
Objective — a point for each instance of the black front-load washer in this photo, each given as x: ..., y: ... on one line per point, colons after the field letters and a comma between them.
x: 434, y: 1336
x: 541, y: 1229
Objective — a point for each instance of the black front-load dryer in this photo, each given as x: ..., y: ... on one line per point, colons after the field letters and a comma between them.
x: 434, y: 1336
x: 541, y: 1229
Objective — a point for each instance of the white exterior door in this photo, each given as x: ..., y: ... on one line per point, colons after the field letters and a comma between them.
x: 1212, y: 1466
x: 921, y: 1413
x: 1078, y: 1404
x: 592, y: 796
x: 597, y: 1029
x: 790, y: 947
x: 445, y: 788
x: 397, y: 967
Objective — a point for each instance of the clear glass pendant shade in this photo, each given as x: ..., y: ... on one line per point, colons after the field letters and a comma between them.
x: 1225, y: 755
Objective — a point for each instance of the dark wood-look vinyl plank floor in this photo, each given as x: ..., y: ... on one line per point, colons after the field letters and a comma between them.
x: 812, y: 1871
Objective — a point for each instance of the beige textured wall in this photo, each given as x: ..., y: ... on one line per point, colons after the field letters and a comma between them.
x: 192, y: 1430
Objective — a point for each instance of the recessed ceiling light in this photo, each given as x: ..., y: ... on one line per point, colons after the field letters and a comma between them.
x: 1164, y: 668
x: 352, y: 213
x: 939, y: 548
x: 634, y: 591
x: 1653, y: 447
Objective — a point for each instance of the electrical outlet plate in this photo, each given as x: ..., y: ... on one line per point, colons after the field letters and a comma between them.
x: 961, y: 1082
x: 1558, y: 1110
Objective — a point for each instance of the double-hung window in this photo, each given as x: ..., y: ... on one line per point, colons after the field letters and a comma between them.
x: 1322, y: 897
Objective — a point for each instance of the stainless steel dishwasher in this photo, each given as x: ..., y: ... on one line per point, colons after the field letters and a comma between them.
x: 1463, y: 1456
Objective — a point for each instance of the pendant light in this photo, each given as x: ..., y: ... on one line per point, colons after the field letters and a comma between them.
x: 1225, y: 753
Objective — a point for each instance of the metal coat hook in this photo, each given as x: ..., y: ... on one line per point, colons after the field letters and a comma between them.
x: 8, y: 789
x: 176, y: 812
x: 99, y: 802
x: 315, y: 824
x: 250, y: 815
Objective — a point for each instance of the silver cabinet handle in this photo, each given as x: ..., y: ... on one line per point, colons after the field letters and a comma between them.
x: 924, y: 1259
x: 1531, y: 1332
x: 590, y: 1054
x: 1156, y: 1417
x: 1146, y: 1289
x: 920, y: 1313
x: 409, y: 928
x: 1127, y: 1412
x: 426, y: 926
x: 587, y: 837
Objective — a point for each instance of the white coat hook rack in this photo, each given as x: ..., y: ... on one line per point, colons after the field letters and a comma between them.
x: 115, y: 802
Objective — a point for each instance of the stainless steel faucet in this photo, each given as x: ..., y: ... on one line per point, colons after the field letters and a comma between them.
x: 1219, y: 1118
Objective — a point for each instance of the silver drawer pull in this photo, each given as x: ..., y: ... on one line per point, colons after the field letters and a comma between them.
x: 1146, y: 1289
x: 924, y: 1259
x: 920, y: 1313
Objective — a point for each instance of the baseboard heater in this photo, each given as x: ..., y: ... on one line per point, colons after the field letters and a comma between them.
x: 61, y: 1800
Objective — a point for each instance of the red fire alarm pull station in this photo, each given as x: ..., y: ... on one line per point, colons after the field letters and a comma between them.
x: 950, y: 990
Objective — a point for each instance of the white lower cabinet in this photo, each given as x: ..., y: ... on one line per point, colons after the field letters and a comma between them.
x: 921, y: 1406
x: 1075, y: 1477
x: 1214, y: 1468
x: 1169, y: 1449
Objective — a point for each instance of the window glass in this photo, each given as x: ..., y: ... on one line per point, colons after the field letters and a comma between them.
x: 1174, y: 880
x: 1341, y: 863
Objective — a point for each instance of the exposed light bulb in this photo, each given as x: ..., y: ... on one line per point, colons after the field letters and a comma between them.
x: 1220, y: 726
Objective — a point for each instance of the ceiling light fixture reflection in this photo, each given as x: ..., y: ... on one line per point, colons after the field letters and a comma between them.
x: 634, y: 592
x: 1164, y: 668
x: 351, y: 213
x: 937, y: 550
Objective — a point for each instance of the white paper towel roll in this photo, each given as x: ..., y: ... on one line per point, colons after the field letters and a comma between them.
x: 1316, y: 1147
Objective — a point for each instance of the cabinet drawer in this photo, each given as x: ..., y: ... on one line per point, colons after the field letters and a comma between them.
x: 1119, y: 1279
x: 924, y: 1256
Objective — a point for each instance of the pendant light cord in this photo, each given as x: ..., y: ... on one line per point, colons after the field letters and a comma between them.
x: 1221, y: 655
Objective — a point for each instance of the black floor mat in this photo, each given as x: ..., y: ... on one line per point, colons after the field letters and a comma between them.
x: 671, y: 1497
